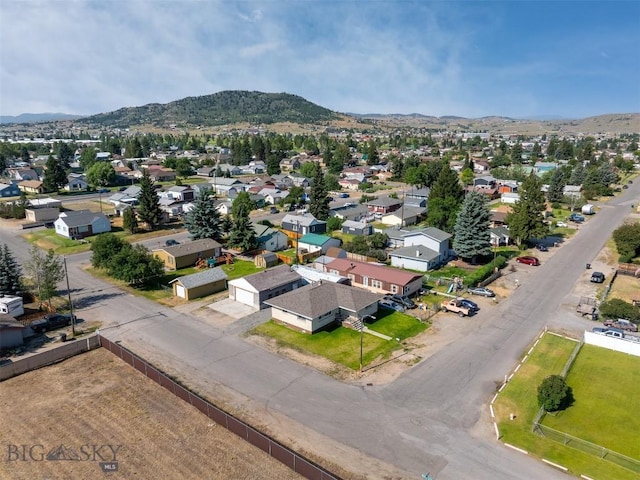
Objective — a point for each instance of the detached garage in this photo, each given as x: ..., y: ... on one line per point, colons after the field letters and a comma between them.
x: 200, y: 284
x: 254, y: 289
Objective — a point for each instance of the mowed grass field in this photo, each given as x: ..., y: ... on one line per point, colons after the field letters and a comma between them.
x: 606, y: 388
x: 520, y: 397
x: 96, y: 399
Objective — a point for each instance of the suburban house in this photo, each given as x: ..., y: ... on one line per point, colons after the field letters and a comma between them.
x: 376, y: 278
x: 574, y: 191
x: 31, y: 186
x: 9, y: 190
x: 187, y: 254
x: 126, y: 198
x: 314, y: 307
x: 181, y: 193
x: 45, y: 202
x: 161, y: 174
x: 254, y: 290
x: 349, y: 183
x: 206, y: 171
x: 288, y: 164
x: 223, y: 206
x: 498, y: 218
x: 200, y: 284
x: 350, y: 211
x: 500, y: 236
x: 407, y: 215
x: 415, y: 257
x: 486, y: 181
x: 227, y: 186
x: 295, y: 226
x: 510, y: 197
x: 384, y: 205
x: 417, y: 197
x: 81, y: 223
x: 313, y: 275
x: 315, y: 243
x: 508, y: 186
x: 430, y: 237
x: 356, y: 228
x: 230, y: 169
x: 269, y: 238
x: 76, y: 182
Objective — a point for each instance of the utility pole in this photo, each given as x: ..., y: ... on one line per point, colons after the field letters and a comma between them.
x: 73, y: 319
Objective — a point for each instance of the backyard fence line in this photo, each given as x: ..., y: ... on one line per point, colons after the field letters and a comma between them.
x: 48, y: 357
x: 295, y: 461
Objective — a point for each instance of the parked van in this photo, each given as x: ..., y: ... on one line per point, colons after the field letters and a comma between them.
x: 12, y: 306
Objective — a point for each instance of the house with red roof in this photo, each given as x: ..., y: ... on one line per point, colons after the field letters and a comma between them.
x: 376, y: 278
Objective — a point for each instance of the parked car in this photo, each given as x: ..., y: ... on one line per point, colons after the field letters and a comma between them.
x: 455, y: 306
x: 542, y: 247
x: 574, y: 217
x: 104, y: 190
x: 622, y: 324
x: 561, y: 224
x: 401, y: 300
x: 609, y: 331
x: 471, y: 305
x: 482, y: 291
x: 171, y: 242
x: 273, y: 210
x: 528, y: 260
x: 391, y: 305
x: 597, y: 277
x: 51, y: 321
x: 344, y: 195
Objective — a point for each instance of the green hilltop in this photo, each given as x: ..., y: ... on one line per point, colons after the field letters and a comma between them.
x: 221, y: 108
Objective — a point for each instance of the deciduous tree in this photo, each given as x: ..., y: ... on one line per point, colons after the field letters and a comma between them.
x: 554, y: 394
x: 44, y: 271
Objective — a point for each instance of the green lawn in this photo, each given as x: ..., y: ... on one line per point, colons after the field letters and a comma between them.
x: 240, y: 268
x: 342, y: 345
x: 618, y: 377
x: 520, y: 397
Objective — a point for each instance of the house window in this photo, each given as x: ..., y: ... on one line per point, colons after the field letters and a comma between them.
x: 376, y: 283
x: 394, y: 289
x: 352, y: 277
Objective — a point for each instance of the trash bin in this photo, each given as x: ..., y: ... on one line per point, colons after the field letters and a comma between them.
x: 63, y: 337
x: 588, y: 266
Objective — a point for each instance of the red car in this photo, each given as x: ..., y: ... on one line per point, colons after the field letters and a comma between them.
x: 528, y: 261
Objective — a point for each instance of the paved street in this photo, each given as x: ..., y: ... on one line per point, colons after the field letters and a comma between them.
x: 432, y: 419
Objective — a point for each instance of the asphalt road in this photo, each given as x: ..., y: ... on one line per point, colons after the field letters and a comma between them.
x: 432, y: 419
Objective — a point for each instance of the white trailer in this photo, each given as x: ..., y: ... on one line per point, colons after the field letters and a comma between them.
x: 12, y: 306
x: 588, y: 209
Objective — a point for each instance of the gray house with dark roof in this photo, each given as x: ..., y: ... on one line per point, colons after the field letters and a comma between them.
x: 316, y: 306
x: 415, y: 257
x: 254, y: 290
x: 200, y: 284
x: 81, y: 223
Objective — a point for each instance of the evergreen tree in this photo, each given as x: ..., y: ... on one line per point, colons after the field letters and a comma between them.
x: 372, y: 153
x: 204, y: 220
x: 556, y: 186
x: 10, y: 273
x: 319, y: 201
x: 130, y: 220
x: 149, y: 204
x: 65, y: 154
x: 472, y: 236
x: 526, y: 220
x: 578, y: 175
x: 55, y: 175
x: 445, y: 199
x: 242, y: 234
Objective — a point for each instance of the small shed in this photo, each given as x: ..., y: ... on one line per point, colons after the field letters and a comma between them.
x: 266, y: 260
x: 11, y: 332
x: 201, y: 284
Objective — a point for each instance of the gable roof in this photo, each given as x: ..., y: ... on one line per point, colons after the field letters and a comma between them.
x: 189, y: 248
x: 210, y: 275
x: 384, y: 202
x: 378, y: 272
x: 268, y: 279
x: 316, y: 299
x: 314, y: 239
x: 416, y: 252
x: 304, y: 220
x: 431, y: 232
x: 80, y: 218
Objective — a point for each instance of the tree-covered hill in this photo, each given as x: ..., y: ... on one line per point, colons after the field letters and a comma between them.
x: 221, y: 108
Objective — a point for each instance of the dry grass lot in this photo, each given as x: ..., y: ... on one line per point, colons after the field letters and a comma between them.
x: 95, y: 399
x: 626, y: 287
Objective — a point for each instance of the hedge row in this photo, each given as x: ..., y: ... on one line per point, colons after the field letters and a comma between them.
x: 485, y: 271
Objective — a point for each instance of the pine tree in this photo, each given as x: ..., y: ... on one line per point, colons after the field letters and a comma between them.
x: 472, y: 235
x: 556, y: 186
x: 445, y: 199
x: 54, y: 176
x: 242, y: 234
x: 10, y: 273
x: 204, y: 220
x: 526, y: 220
x: 130, y: 220
x: 578, y: 175
x: 149, y: 204
x: 319, y: 201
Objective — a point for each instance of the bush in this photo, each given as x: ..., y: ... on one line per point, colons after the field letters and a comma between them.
x: 485, y: 271
x: 627, y: 240
x: 554, y: 394
x: 616, y: 308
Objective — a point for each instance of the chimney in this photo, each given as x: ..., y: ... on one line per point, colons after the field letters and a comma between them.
x: 417, y: 253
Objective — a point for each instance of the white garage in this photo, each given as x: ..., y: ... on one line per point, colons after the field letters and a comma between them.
x: 254, y: 289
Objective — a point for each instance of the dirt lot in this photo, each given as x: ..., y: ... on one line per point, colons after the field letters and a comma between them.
x: 95, y: 399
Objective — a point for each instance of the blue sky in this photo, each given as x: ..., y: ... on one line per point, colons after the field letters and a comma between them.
x: 475, y: 58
